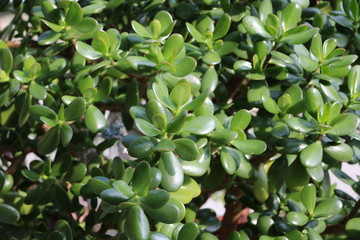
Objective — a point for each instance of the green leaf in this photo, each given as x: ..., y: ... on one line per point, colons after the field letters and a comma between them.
x: 165, y: 145
x: 260, y: 190
x: 87, y: 51
x: 250, y: 146
x: 301, y: 125
x: 316, y: 46
x: 353, y: 82
x: 146, y: 128
x: 173, y: 47
x: 64, y: 227
x: 344, y: 124
x: 75, y: 110
x: 308, y: 197
x: 265, y: 9
x: 222, y: 27
x: 172, y: 173
x: 300, y: 38
x: 223, y: 136
x: 177, y: 123
x: 308, y: 64
x: 211, y: 58
x: 296, y: 218
x: 209, y: 79
x: 66, y: 133
x: 188, y: 232
x: 136, y: 224
x: 186, y: 149
x: 141, y: 30
x: 73, y: 14
x: 6, y: 58
x: 53, y: 26
x: 312, y: 155
x: 340, y: 152
x: 141, y: 179
x: 254, y: 26
x: 25, y: 111
x: 101, y: 42
x: 122, y: 187
x: 240, y: 120
x: 76, y: 172
x: 270, y: 104
x: 50, y: 141
x: 184, y: 67
x: 197, y: 102
x: 200, y: 125
x: 352, y: 228
x: 328, y: 208
x: 181, y: 93
x: 156, y: 198
x: 195, y: 33
x: 171, y: 212
x: 9, y: 215
x: 113, y: 196
x: 94, y: 119
x: 37, y: 91
x: 98, y: 184
x: 290, y: 16
x: 227, y: 161
x: 141, y: 147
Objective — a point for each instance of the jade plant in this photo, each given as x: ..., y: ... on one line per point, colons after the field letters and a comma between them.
x: 258, y: 100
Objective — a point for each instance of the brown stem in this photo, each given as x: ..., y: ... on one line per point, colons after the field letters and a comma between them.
x: 353, y: 211
x: 17, y: 162
x: 233, y: 212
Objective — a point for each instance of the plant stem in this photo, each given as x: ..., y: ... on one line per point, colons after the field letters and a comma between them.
x: 353, y: 211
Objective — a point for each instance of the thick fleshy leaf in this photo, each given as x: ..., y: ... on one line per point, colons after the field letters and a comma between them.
x: 296, y: 218
x: 189, y: 190
x: 250, y: 146
x: 300, y: 38
x: 340, y: 152
x: 227, y: 161
x: 224, y: 136
x: 301, y: 125
x: 254, y: 26
x: 87, y: 51
x: 141, y: 178
x: 265, y: 9
x: 352, y: 228
x: 312, y: 155
x: 64, y: 227
x: 165, y: 145
x: 186, y: 149
x: 261, y: 189
x: 37, y: 91
x: 66, y: 133
x: 6, y: 59
x: 141, y: 30
x: 141, y: 147
x: 137, y: 225
x: 172, y: 173
x: 9, y: 214
x: 199, y: 125
x: 146, y: 127
x: 113, y: 196
x: 181, y: 93
x: 100, y: 42
x: 75, y: 110
x: 209, y: 79
x: 156, y: 198
x: 328, y: 208
x: 73, y: 14
x: 195, y: 33
x: 291, y: 15
x: 176, y: 123
x: 172, y: 212
x: 50, y: 141
x: 172, y: 47
x: 308, y: 197
x: 270, y: 104
x: 94, y: 119
x: 307, y: 63
x: 211, y: 58
x: 222, y: 27
x: 184, y: 67
x: 344, y: 124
